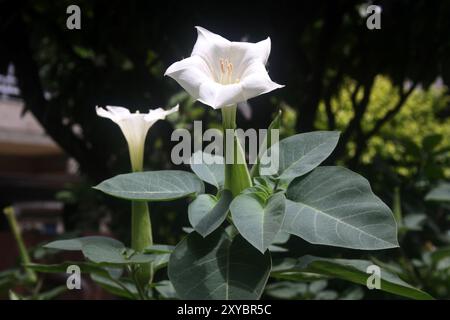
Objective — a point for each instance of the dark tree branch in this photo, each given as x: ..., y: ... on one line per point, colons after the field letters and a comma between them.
x: 330, y: 115
x: 359, y: 109
x: 308, y: 108
x: 363, y: 138
x: 329, y: 91
x: 17, y: 44
x: 391, y: 113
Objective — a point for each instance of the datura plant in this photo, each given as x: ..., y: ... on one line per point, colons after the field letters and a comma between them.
x: 228, y: 252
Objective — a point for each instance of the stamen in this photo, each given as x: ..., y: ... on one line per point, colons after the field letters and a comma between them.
x: 230, y: 71
x: 226, y: 71
x: 222, y: 65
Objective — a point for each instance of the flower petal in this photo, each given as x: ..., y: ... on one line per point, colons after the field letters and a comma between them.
x: 218, y: 95
x: 256, y: 81
x: 119, y: 112
x: 211, y: 47
x: 190, y: 73
x: 242, y: 54
x: 159, y: 114
x: 204, y: 77
x: 104, y: 113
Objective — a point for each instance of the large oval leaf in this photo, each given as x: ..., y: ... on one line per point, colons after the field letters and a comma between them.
x: 206, y: 213
x: 152, y: 185
x: 350, y: 270
x: 335, y: 206
x: 100, y: 249
x: 210, y: 168
x: 217, y: 268
x: 258, y: 222
x: 76, y: 244
x: 440, y: 194
x: 303, y: 152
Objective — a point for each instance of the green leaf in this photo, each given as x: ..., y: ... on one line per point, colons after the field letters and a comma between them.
x: 152, y: 185
x: 210, y: 169
x: 123, y: 288
x: 160, y: 261
x: 258, y: 222
x: 52, y: 293
x: 286, y: 290
x: 76, y: 244
x: 206, y: 214
x: 102, y: 250
x: 85, y: 267
x: 354, y: 271
x: 103, y: 253
x: 15, y: 296
x: 159, y: 248
x: 217, y: 268
x: 303, y: 152
x: 166, y: 289
x: 266, y: 143
x: 335, y: 206
x: 161, y: 254
x: 281, y: 238
x: 440, y: 194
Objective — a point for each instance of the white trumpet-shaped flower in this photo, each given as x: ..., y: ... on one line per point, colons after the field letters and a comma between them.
x: 134, y: 127
x: 221, y: 73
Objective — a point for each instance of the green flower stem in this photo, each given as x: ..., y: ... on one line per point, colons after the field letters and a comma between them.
x: 141, y: 226
x: 25, y: 258
x: 237, y: 176
x: 141, y: 238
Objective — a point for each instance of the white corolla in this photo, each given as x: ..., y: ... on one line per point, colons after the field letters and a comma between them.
x: 134, y: 127
x: 222, y: 73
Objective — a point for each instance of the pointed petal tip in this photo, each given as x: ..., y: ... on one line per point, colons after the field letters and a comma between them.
x: 167, y: 73
x: 200, y: 29
x: 102, y: 112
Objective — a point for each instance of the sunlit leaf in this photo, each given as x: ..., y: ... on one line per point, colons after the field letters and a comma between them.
x: 152, y: 185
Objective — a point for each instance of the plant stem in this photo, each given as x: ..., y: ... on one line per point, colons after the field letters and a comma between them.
x: 141, y: 292
x: 25, y: 258
x: 237, y: 176
x: 141, y: 227
x: 141, y: 238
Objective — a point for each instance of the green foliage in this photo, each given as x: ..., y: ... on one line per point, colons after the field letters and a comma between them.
x: 335, y: 206
x: 209, y: 168
x: 107, y: 259
x: 301, y: 153
x: 416, y: 122
x: 218, y: 267
x: 349, y: 270
x: 153, y: 185
x: 206, y: 213
x: 440, y: 194
x: 258, y: 220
